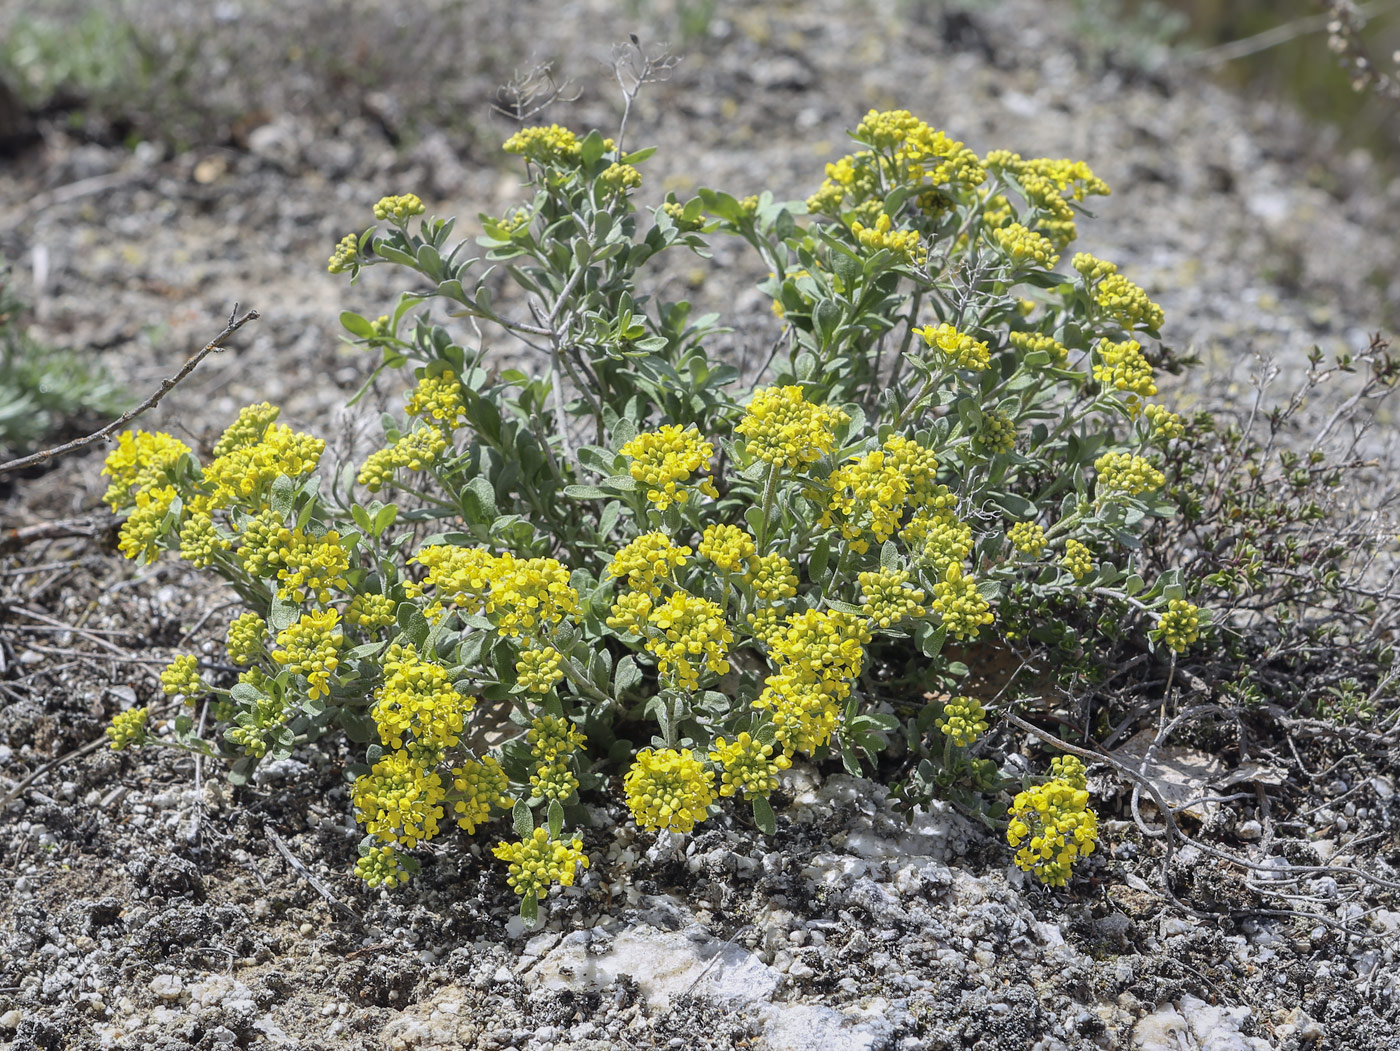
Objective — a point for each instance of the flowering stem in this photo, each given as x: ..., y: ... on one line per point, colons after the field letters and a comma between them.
x: 769, y: 491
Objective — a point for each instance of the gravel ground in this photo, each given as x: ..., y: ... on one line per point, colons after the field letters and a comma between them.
x: 149, y: 906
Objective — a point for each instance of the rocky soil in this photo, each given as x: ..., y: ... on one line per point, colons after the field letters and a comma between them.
x: 147, y: 905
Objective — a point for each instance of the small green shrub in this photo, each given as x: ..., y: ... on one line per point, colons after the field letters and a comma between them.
x: 45, y: 391
x: 624, y: 559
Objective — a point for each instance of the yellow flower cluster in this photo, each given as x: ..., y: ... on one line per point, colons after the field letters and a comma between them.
x: 772, y: 578
x: 749, y: 766
x: 620, y: 177
x: 995, y: 434
x: 128, y: 728
x: 1077, y: 559
x: 669, y: 789
x: 398, y: 208
x: 381, y: 866
x: 1128, y: 304
x: 537, y: 861
x: 903, y: 243
x: 647, y: 561
x: 1048, y: 186
x: 1054, y: 822
x: 346, y: 254
x: 537, y: 670
x: 479, y: 786
x: 370, y: 610
x: 530, y: 595
x: 1028, y: 342
x: 553, y: 742
x: 1127, y: 473
x: 961, y: 606
x: 311, y: 647
x: 804, y: 713
x: 181, y: 676
x: 785, y: 429
x: 399, y: 801
x: 963, y: 720
x: 551, y: 145
x: 201, y: 540
x: 1092, y: 267
x: 937, y: 537
x: 262, y: 538
x: 956, y: 350
x: 729, y: 547
x: 415, y: 451
x: 1069, y: 769
x: 676, y: 211
x: 630, y: 611
x: 1122, y: 367
x: 247, y: 637
x: 146, y: 524
x: 870, y: 494
x: 823, y: 647
x: 439, y: 399
x: 1180, y: 624
x: 244, y: 474
x: 1028, y: 538
x: 141, y: 460
x: 665, y: 458
x: 885, y: 599
x: 1025, y: 246
x: 312, y: 566
x: 460, y: 575
x: 417, y: 707
x: 1166, y: 425
x: 689, y: 631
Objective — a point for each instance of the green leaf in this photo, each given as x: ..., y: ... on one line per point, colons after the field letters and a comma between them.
x: 626, y: 675
x: 889, y: 555
x: 283, y: 614
x: 844, y: 607
x: 586, y: 492
x: 383, y: 519
x: 356, y: 325
x: 283, y: 492
x: 479, y: 501
x: 555, y: 817
x: 849, y: 759
x: 592, y: 148
x: 763, y: 815
x: 244, y: 693
x: 361, y: 517
x: 928, y: 638
x: 413, y: 624
x: 523, y: 819
x: 821, y: 555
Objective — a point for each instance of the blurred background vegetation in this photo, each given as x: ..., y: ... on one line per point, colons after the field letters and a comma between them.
x: 189, y: 77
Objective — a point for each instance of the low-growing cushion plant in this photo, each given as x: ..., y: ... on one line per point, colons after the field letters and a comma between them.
x: 642, y: 575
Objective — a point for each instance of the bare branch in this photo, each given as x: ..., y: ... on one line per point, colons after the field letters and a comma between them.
x: 166, y: 386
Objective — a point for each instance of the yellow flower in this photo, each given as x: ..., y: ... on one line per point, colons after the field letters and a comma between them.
x: 647, y: 561
x: 1077, y: 559
x: 418, y: 704
x: 247, y: 639
x: 619, y: 177
x: 381, y: 866
x: 181, y: 676
x: 1126, y: 473
x: 551, y: 145
x: 964, y: 720
x: 1028, y: 538
x: 1122, y: 367
x: 772, y: 578
x: 346, y: 254
x: 438, y: 399
x: 1025, y: 246
x: 690, y: 632
x: 537, y: 861
x: 805, y: 713
x: 398, y: 209
x: 311, y: 647
x: 962, y: 607
x: 537, y: 670
x: 1057, y: 828
x: 667, y: 456
x: 1179, y: 625
x: 785, y: 429
x: 886, y: 601
x: 128, y: 728
x: 903, y: 243
x: 399, y: 801
x: 668, y: 789
x: 954, y: 349
x: 140, y: 461
x: 749, y: 766
x: 729, y: 547
x: 481, y: 786
x: 1128, y: 304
